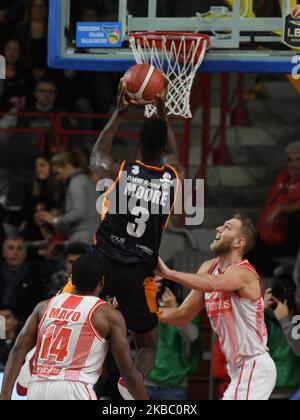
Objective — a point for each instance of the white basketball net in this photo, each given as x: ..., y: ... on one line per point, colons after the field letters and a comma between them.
x: 182, y: 60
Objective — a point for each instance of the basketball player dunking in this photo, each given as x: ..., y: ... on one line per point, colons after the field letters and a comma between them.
x: 231, y: 290
x: 129, y: 241
x: 71, y: 334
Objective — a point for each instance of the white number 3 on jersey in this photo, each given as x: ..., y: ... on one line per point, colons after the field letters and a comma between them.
x: 138, y: 228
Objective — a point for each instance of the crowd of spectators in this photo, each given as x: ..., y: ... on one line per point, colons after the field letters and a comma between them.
x: 58, y: 213
x: 32, y: 87
x: 278, y: 225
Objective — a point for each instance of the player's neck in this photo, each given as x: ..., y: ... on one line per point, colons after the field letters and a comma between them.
x: 147, y: 160
x: 81, y: 293
x: 228, y: 260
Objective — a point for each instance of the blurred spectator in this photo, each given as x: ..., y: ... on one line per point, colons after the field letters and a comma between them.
x: 79, y: 218
x: 6, y: 120
x: 15, y: 89
x: 45, y: 188
x: 21, y: 278
x: 45, y: 102
x: 75, y: 90
x: 15, y: 86
x: 33, y: 33
x: 6, y: 229
x: 2, y: 228
x: 139, y: 8
x: 90, y: 10
x: 220, y: 370
x: 10, y: 13
x: 296, y: 274
x: 278, y: 220
x: 11, y: 333
x: 179, y: 352
x: 41, y: 236
x: 280, y: 307
x: 59, y: 279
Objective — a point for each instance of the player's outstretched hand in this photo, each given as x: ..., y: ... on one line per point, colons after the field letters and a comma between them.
x: 123, y: 103
x: 162, y: 270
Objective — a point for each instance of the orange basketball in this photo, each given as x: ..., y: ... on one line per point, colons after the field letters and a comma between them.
x: 144, y: 82
x: 296, y: 12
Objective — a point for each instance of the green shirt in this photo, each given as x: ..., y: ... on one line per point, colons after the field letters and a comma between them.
x: 287, y: 363
x: 176, y: 359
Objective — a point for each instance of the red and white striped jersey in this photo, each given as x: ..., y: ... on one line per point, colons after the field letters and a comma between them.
x: 68, y: 347
x: 238, y: 322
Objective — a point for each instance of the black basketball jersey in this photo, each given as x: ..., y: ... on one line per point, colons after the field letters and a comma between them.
x: 136, y: 209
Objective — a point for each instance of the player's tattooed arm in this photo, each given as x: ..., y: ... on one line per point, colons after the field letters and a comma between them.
x: 25, y: 342
x: 101, y: 160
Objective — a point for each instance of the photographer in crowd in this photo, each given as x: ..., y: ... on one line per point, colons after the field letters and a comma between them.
x: 280, y: 309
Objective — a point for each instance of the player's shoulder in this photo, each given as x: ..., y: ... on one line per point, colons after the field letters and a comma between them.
x: 110, y: 314
x: 106, y: 319
x: 207, y: 265
x: 41, y: 307
x: 247, y: 271
x: 175, y: 169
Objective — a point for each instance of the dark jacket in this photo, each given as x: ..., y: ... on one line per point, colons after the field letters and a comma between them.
x: 5, y: 348
x: 23, y: 289
x: 35, y: 50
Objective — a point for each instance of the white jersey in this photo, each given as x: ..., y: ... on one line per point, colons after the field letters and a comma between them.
x: 238, y: 322
x: 68, y: 347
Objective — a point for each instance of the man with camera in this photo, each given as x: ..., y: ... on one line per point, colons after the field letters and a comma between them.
x: 280, y: 309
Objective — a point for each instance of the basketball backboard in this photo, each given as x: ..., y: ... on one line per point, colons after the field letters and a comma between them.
x: 240, y: 42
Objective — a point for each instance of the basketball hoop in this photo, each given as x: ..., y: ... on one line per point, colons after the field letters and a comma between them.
x: 178, y: 55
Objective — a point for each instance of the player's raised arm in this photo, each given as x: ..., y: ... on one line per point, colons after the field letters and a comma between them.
x: 101, y: 160
x: 116, y: 332
x: 25, y: 342
x: 189, y: 309
x: 186, y: 312
x: 232, y: 280
x: 172, y: 154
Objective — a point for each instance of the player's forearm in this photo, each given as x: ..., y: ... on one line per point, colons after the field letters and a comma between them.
x: 104, y: 142
x: 175, y: 316
x: 207, y: 283
x: 135, y: 385
x: 12, y: 370
x: 198, y: 282
x: 172, y: 148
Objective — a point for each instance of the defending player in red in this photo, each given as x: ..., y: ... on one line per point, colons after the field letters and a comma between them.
x: 230, y: 289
